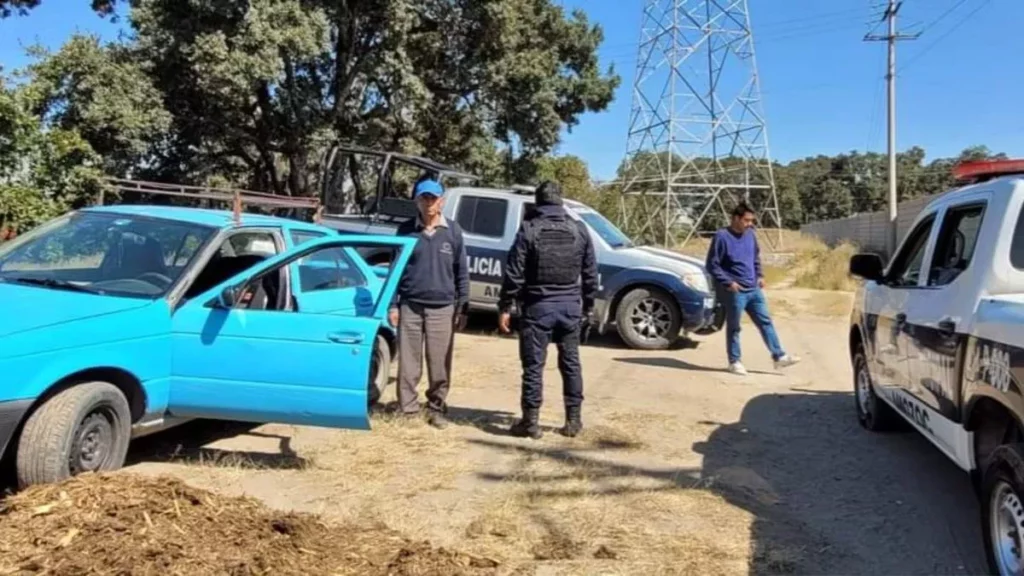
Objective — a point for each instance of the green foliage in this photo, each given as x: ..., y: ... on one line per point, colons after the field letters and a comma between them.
x: 42, y: 171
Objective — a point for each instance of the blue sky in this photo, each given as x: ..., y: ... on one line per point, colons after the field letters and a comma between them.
x: 823, y: 87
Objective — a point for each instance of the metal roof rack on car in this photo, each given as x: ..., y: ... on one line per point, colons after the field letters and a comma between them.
x: 237, y: 197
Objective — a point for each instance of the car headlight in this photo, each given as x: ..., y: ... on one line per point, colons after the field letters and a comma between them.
x: 696, y: 280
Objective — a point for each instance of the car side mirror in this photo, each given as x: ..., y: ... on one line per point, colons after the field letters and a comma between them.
x: 867, y: 266
x: 227, y: 298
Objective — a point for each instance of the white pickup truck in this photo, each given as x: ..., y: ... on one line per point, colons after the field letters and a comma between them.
x: 937, y: 340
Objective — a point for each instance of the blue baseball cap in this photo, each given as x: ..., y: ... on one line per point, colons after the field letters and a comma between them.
x: 432, y: 187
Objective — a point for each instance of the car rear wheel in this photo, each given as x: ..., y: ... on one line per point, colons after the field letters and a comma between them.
x: 1002, y: 510
x: 380, y: 371
x: 872, y: 412
x: 86, y: 428
x: 648, y: 319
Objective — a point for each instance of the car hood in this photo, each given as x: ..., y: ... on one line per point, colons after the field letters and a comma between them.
x: 661, y: 258
x: 25, y: 308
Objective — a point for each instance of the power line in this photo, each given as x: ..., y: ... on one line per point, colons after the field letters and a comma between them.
x: 943, y: 15
x: 928, y: 47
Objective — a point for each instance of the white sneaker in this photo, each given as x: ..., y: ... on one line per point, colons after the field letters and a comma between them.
x: 786, y: 361
x: 737, y: 369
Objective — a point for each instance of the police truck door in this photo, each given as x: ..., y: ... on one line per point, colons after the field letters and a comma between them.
x: 489, y: 224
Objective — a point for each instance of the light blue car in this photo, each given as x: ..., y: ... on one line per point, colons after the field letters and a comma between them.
x: 119, y: 321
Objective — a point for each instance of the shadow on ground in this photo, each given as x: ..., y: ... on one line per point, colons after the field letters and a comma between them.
x: 187, y: 444
x: 827, y: 496
x: 665, y: 362
x: 486, y: 324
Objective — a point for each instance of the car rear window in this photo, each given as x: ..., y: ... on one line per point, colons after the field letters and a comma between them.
x: 1017, y: 245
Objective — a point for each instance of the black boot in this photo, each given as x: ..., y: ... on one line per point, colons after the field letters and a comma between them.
x: 528, y: 426
x: 573, y: 423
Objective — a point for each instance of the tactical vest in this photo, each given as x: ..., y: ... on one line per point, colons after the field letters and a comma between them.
x: 557, y: 254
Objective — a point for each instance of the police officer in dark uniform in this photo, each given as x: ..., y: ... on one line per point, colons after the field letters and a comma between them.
x: 551, y: 273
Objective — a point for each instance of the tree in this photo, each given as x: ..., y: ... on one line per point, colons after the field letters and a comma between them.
x: 101, y: 93
x: 22, y: 7
x: 42, y: 171
x: 256, y: 91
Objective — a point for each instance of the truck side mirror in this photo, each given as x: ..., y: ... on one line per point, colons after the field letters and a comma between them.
x: 867, y: 266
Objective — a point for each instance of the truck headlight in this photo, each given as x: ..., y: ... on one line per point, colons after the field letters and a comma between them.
x: 696, y: 280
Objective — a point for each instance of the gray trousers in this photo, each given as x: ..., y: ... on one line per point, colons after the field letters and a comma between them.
x: 435, y: 328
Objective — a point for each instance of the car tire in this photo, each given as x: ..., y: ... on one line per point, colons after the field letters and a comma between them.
x: 380, y: 371
x: 1002, y: 509
x: 86, y: 428
x: 872, y: 412
x: 648, y: 319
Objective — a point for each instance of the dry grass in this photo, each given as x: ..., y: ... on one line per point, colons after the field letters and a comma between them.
x: 825, y: 268
x: 589, y: 516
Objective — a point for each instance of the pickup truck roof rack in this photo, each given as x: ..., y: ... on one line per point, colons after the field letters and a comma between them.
x: 237, y: 197
x: 417, y: 161
x: 983, y: 170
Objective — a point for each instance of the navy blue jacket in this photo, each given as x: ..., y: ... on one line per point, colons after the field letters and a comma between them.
x: 735, y: 258
x: 437, y: 273
x: 514, y: 286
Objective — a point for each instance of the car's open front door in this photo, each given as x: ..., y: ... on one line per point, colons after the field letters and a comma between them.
x: 234, y: 362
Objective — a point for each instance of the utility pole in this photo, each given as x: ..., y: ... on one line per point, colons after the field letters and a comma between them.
x: 891, y: 38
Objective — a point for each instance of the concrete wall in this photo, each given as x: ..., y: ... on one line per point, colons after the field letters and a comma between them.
x: 868, y: 231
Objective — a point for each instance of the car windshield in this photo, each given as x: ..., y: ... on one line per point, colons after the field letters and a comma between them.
x: 104, y: 253
x: 605, y: 229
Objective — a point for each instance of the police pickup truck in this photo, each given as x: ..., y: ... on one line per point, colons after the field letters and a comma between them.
x: 937, y: 339
x: 649, y: 295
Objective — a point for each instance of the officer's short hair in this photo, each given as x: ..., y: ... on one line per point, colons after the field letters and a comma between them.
x: 741, y: 210
x: 548, y: 193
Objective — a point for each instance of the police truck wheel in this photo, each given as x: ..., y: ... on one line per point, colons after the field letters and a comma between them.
x: 380, y: 371
x: 648, y: 319
x: 1002, y: 510
x: 872, y: 412
x: 85, y: 428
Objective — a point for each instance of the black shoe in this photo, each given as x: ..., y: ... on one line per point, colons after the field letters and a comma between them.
x: 573, y: 423
x: 528, y: 426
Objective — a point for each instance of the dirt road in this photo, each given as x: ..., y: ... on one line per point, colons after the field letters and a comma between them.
x: 683, y: 468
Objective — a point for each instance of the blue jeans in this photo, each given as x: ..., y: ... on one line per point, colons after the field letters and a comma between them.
x: 755, y: 305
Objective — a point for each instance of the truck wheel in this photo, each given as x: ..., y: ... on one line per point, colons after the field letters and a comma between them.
x: 1002, y: 509
x: 85, y: 428
x: 648, y: 319
x: 380, y: 371
x: 872, y: 413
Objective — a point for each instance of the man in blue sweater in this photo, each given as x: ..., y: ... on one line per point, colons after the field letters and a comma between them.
x: 734, y: 261
x: 430, y: 303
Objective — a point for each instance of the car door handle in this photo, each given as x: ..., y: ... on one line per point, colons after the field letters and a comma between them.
x: 345, y: 337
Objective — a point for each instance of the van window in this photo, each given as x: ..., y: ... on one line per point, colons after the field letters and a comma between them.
x: 482, y: 216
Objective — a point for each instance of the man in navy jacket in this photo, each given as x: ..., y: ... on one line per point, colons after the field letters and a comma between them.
x: 430, y: 303
x: 734, y: 261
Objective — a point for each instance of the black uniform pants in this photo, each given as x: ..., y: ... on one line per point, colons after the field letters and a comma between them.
x: 542, y: 323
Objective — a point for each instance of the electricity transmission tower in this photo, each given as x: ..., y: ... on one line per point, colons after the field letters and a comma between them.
x: 697, y: 140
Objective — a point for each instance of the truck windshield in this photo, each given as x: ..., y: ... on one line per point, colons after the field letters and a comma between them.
x: 103, y: 253
x: 605, y: 229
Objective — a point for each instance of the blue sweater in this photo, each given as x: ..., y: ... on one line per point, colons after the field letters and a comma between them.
x: 735, y: 258
x: 437, y: 273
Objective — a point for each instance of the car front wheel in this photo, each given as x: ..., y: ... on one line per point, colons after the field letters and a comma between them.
x: 648, y: 319
x: 86, y: 428
x: 1002, y: 510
